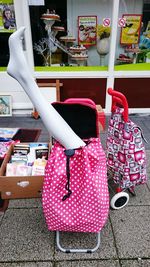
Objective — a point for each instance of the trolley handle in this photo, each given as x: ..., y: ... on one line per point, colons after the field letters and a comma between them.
x: 115, y: 101
x: 119, y: 98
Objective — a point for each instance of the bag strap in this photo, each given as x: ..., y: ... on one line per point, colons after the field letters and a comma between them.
x: 69, y: 153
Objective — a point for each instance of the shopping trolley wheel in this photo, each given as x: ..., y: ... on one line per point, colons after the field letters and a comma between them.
x: 119, y: 200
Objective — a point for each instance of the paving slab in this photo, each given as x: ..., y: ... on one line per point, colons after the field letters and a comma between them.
x: 148, y: 184
x: 24, y: 236
x: 131, y: 226
x: 135, y: 263
x: 27, y: 264
x: 88, y: 263
x: 142, y: 196
x: 1, y: 216
x: 25, y: 203
x: 143, y: 123
x: 146, y: 135
x: 148, y: 160
x: 107, y: 249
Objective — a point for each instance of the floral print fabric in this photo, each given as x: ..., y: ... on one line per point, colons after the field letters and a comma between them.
x: 126, y: 157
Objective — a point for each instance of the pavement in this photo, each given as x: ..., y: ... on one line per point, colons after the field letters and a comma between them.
x: 125, y: 239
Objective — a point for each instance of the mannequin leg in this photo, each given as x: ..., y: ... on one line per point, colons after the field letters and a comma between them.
x: 19, y: 70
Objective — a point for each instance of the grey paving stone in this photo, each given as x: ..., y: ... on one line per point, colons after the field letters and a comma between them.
x: 147, y: 137
x: 88, y: 263
x: 148, y: 184
x: 24, y: 236
x: 135, y: 263
x: 24, y: 203
x: 131, y: 226
x: 148, y: 160
x: 107, y: 249
x: 1, y: 216
x: 142, y: 196
x: 27, y: 264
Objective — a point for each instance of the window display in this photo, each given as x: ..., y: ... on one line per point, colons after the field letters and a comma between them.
x: 133, y: 47
x: 75, y: 35
x: 49, y: 45
x: 68, y: 33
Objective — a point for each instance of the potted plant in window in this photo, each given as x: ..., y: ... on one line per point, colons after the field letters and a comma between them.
x: 103, y: 41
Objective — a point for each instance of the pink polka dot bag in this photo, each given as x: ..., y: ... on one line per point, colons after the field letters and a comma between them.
x: 75, y: 190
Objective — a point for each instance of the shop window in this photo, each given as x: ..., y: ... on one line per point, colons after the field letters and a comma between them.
x: 71, y: 33
x: 133, y: 43
x: 7, y: 26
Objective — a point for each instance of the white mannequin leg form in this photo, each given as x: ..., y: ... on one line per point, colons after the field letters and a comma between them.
x: 18, y: 69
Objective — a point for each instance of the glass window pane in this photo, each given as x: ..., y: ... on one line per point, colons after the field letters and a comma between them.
x: 133, y: 43
x: 7, y: 26
x: 71, y: 33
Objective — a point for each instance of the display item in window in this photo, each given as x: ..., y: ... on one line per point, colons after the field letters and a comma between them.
x: 77, y: 54
x: 67, y: 38
x: 87, y: 30
x: 50, y: 15
x: 103, y: 42
x: 77, y: 48
x: 8, y: 19
x: 58, y: 28
x: 130, y: 34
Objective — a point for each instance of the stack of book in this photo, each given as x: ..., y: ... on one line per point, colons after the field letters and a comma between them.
x: 28, y: 159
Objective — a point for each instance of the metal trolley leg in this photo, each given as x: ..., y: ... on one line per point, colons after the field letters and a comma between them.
x: 74, y: 250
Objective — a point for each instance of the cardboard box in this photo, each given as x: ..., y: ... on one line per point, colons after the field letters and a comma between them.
x: 12, y: 187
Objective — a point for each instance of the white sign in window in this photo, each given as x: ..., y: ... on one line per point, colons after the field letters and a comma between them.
x: 36, y: 2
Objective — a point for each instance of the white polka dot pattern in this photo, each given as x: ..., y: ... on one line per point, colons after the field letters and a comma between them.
x: 86, y: 210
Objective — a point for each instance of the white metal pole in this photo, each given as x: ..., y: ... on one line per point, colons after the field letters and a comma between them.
x: 114, y: 28
x: 23, y: 19
x: 111, y: 62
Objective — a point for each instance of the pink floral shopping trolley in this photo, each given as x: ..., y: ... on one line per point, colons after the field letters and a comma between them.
x: 75, y: 191
x: 126, y: 157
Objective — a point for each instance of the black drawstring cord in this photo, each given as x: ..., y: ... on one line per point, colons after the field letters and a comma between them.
x: 69, y: 153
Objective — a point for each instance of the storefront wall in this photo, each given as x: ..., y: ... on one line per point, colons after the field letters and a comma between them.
x: 91, y: 83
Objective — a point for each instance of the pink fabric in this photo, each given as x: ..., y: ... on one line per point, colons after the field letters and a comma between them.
x: 86, y: 210
x: 85, y: 101
x: 126, y: 157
